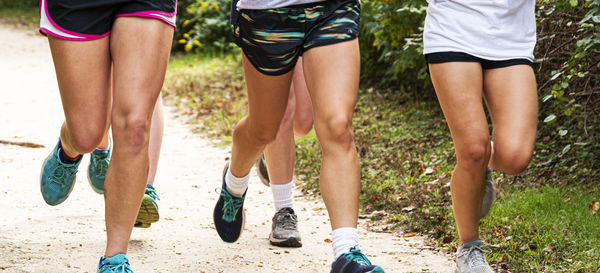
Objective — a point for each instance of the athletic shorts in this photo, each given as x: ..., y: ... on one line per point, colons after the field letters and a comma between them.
x: 85, y: 20
x: 450, y: 56
x: 274, y: 39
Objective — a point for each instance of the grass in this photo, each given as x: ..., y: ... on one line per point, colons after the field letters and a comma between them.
x: 407, y: 156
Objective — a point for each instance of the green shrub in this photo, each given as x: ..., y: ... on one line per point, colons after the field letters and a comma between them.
x: 19, y: 4
x: 203, y: 25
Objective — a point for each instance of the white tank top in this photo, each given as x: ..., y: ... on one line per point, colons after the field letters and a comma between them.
x: 271, y: 4
x: 488, y: 29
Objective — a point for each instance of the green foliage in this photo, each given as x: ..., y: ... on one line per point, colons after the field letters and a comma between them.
x: 392, y: 43
x: 203, y: 25
x: 19, y: 4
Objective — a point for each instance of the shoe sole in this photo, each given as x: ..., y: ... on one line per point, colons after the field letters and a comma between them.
x: 289, y: 242
x: 148, y: 213
x: 91, y: 185
x: 265, y: 181
x: 42, y: 173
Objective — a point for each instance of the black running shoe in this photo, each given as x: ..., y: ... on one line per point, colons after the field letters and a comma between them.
x: 284, y: 231
x: 261, y: 170
x: 229, y: 216
x: 354, y: 262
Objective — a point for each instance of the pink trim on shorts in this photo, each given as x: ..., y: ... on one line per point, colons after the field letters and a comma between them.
x: 44, y: 31
x: 87, y: 37
x: 147, y: 14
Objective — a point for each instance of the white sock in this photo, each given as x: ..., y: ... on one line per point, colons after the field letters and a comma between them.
x: 236, y: 186
x: 343, y: 240
x: 282, y: 195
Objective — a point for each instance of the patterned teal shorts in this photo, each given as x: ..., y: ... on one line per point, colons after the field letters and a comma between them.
x: 274, y: 39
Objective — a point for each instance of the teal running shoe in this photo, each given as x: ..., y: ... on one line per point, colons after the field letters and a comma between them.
x: 229, y: 216
x: 57, y: 178
x: 96, y: 174
x: 354, y: 262
x: 148, y: 213
x: 115, y: 264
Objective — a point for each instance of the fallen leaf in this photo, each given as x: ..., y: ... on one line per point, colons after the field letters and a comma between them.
x: 595, y: 206
x: 410, y: 235
x: 327, y: 240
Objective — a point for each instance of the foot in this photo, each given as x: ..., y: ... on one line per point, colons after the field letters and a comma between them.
x: 229, y: 216
x: 57, y: 178
x: 261, y: 170
x: 470, y: 258
x: 490, y: 194
x: 354, y: 262
x: 97, y: 169
x: 148, y: 213
x: 115, y: 264
x: 284, y: 231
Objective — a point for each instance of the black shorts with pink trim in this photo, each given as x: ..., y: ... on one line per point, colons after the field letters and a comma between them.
x: 84, y: 20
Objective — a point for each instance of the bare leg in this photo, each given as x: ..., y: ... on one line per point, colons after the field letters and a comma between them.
x: 459, y: 89
x: 267, y: 99
x: 332, y: 75
x: 138, y: 77
x: 511, y: 97
x: 156, y: 135
x: 303, y: 116
x: 83, y: 74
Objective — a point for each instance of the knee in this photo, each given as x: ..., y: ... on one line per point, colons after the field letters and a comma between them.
x: 85, y: 139
x: 338, y: 131
x: 260, y: 134
x: 302, y: 125
x: 474, y: 154
x: 512, y: 160
x: 132, y: 130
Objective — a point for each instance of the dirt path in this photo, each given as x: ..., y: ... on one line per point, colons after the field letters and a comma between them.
x: 35, y: 237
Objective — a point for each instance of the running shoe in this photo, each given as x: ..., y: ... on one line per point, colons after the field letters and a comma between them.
x: 354, y: 262
x: 261, y: 170
x: 284, y: 231
x: 229, y: 216
x: 115, y: 264
x: 490, y: 194
x: 57, y: 178
x: 470, y: 258
x: 148, y: 213
x: 96, y: 174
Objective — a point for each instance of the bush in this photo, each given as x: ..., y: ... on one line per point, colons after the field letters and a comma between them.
x: 203, y: 25
x: 19, y: 4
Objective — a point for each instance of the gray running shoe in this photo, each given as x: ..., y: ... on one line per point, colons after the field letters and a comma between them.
x: 490, y: 194
x: 470, y: 258
x: 284, y: 231
x: 261, y: 170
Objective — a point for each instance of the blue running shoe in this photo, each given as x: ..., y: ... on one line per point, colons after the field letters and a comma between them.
x: 115, y: 264
x: 229, y: 216
x: 148, y: 213
x: 99, y: 160
x: 57, y: 178
x: 354, y: 262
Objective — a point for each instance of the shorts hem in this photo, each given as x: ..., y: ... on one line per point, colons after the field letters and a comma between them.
x: 149, y: 14
x: 44, y: 31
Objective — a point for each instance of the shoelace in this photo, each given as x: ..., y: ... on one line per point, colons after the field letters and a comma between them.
x: 476, y: 254
x: 152, y: 193
x: 119, y: 268
x: 61, y: 172
x: 357, y: 256
x: 231, y: 205
x: 101, y: 165
x: 288, y: 220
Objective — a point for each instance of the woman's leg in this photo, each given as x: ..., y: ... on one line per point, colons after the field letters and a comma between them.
x: 303, y: 116
x: 83, y: 74
x: 458, y: 86
x: 156, y: 135
x: 332, y: 75
x: 511, y: 97
x: 267, y: 99
x: 138, y: 77
x: 280, y: 155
